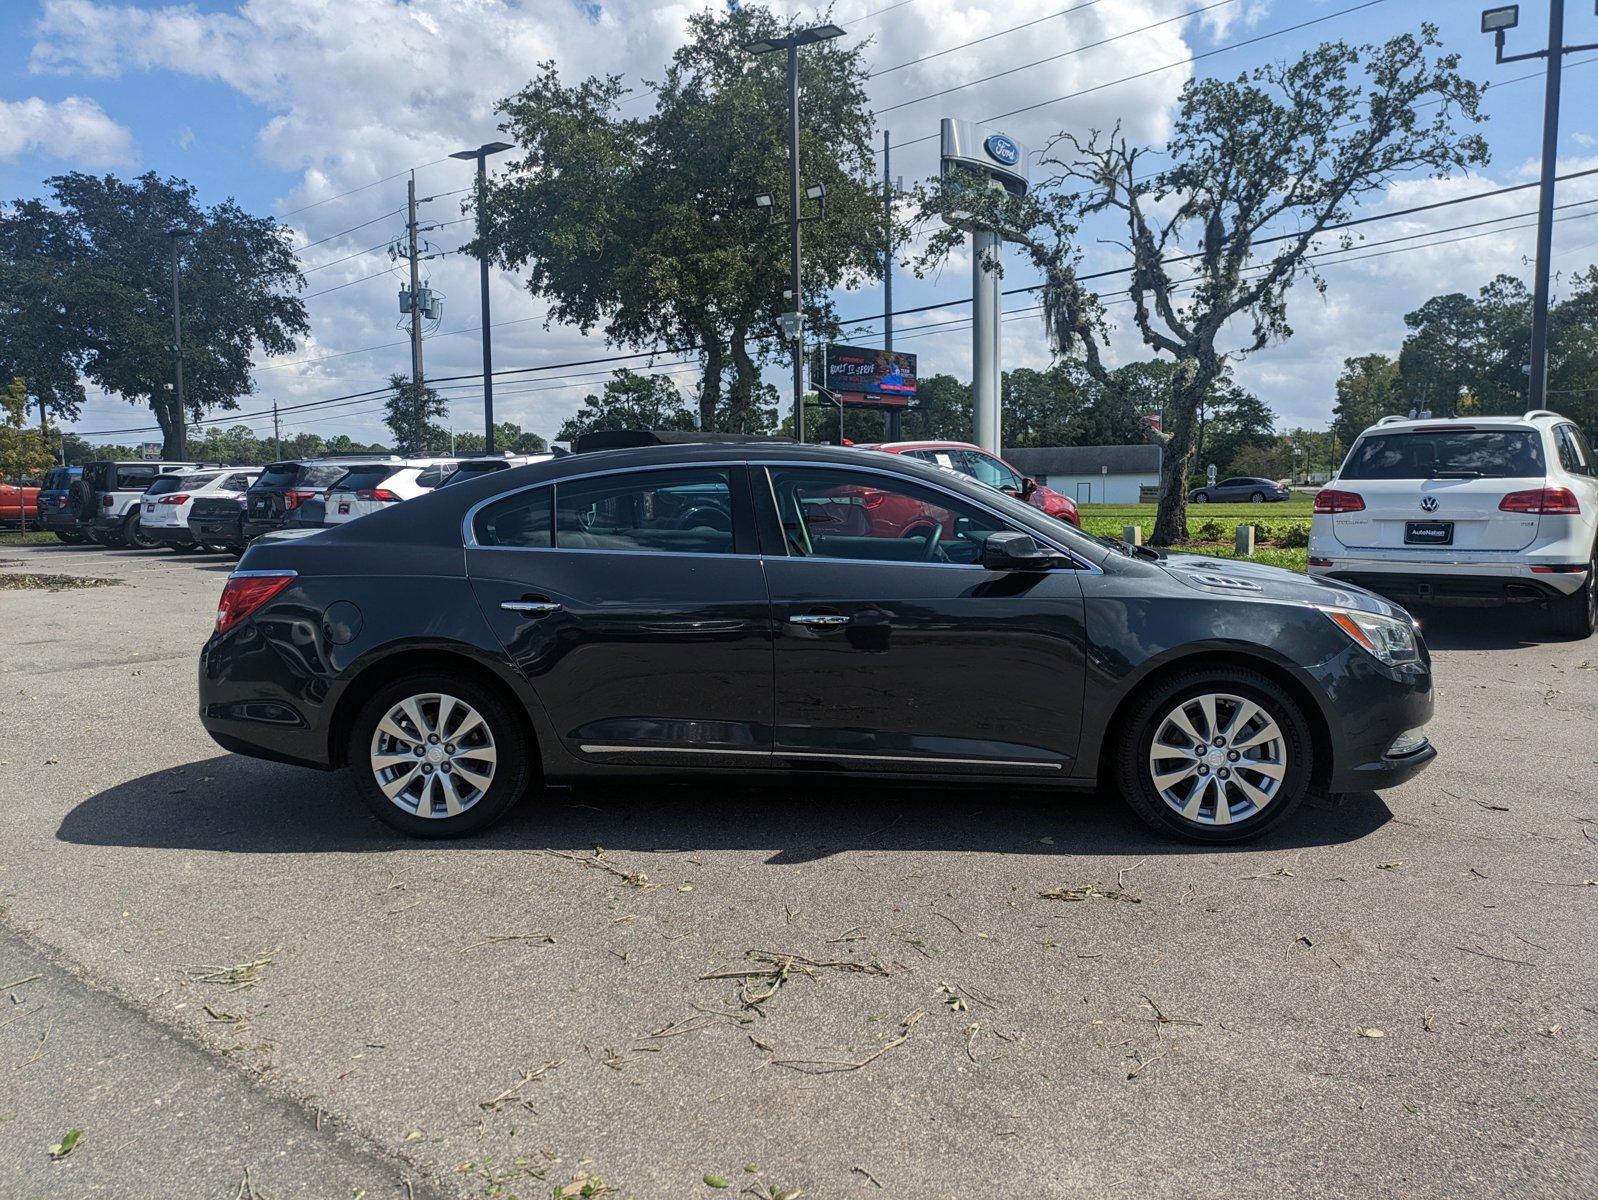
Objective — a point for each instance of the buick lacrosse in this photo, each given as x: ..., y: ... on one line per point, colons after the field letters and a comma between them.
x: 733, y: 607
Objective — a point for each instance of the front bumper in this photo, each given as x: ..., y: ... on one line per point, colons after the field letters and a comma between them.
x: 1459, y: 581
x: 1385, y: 772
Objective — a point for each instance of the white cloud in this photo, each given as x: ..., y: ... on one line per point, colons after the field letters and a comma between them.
x: 74, y: 129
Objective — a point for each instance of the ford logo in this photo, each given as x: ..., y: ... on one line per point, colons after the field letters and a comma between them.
x: 1428, y: 504
x: 1002, y: 150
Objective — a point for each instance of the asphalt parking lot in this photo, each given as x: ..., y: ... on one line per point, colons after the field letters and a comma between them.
x: 245, y: 986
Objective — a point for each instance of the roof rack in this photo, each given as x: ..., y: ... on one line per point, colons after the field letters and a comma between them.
x: 1392, y: 419
x: 1539, y: 412
x: 627, y: 439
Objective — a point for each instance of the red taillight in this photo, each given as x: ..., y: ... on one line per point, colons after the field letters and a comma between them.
x: 106, y: 501
x: 1553, y: 502
x: 292, y: 500
x: 175, y: 498
x: 375, y: 494
x: 873, y: 497
x: 245, y: 592
x: 1320, y: 562
x: 1331, y: 500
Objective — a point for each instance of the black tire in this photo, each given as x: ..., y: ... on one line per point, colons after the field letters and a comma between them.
x: 510, y: 776
x: 71, y: 539
x: 1256, y: 498
x: 214, y: 548
x: 1201, y: 497
x: 1136, y: 738
x: 133, y: 536
x: 1576, y: 616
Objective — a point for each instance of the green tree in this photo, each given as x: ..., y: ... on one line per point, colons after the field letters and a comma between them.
x: 640, y: 222
x: 43, y: 340
x: 508, y: 437
x: 1288, y: 145
x: 412, y: 415
x: 1370, y: 387
x: 630, y: 401
x: 237, y: 272
x: 24, y: 452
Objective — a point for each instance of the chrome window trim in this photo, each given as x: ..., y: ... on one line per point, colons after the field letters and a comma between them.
x: 673, y: 750
x: 1083, y: 564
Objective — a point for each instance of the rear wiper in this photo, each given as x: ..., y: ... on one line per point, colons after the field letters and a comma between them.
x: 1455, y: 475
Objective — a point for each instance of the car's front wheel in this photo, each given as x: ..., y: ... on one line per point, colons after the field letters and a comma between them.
x: 1215, y: 755
x: 71, y: 539
x: 438, y: 755
x: 1576, y: 616
x: 1201, y: 497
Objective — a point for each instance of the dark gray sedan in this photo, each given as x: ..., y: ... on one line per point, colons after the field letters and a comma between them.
x: 1240, y: 489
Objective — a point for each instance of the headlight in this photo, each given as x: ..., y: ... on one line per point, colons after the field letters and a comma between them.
x: 1390, y: 640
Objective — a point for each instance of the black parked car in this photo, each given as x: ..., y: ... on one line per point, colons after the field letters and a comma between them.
x: 283, y: 487
x: 1244, y: 488
x: 729, y: 608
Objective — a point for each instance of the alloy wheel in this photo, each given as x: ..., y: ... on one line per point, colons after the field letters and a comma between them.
x: 1217, y: 758
x: 433, y: 755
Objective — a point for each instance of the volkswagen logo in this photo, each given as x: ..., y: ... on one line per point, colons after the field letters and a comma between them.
x: 1002, y: 150
x: 1428, y: 504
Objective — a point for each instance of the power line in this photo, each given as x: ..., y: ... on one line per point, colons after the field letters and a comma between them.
x: 960, y: 87
x: 1192, y: 58
x: 978, y: 41
x: 363, y: 187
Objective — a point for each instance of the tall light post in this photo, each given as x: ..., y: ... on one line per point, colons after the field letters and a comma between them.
x: 177, y: 342
x: 1496, y: 21
x: 793, y: 323
x: 481, y: 155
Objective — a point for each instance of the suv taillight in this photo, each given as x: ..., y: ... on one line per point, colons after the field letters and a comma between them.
x: 246, y: 591
x: 1553, y: 502
x: 1331, y: 500
x: 175, y: 498
x: 292, y: 500
x: 106, y: 501
x: 375, y: 494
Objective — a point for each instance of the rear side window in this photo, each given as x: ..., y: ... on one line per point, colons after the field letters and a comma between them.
x: 1463, y: 453
x: 681, y: 511
x: 468, y: 471
x: 435, y: 476
x: 1574, y: 455
x: 360, y: 479
x: 235, y: 483
x: 134, y: 479
x: 321, y: 475
x: 523, y: 520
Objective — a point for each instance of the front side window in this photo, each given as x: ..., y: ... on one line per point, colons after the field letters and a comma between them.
x: 683, y: 511
x: 987, y: 469
x: 858, y: 515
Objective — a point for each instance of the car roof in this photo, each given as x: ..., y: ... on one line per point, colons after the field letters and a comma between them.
x: 927, y: 444
x: 1396, y: 424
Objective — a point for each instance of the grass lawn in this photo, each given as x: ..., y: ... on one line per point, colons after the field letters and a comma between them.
x: 1272, y: 521
x: 11, y: 537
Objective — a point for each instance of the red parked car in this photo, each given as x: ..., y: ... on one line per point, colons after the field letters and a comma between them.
x: 985, y: 468
x: 17, y: 504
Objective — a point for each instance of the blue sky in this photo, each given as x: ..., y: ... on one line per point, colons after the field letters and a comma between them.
x: 286, y: 103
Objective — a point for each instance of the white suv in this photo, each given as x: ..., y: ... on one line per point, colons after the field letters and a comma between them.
x: 372, y: 487
x: 164, y: 508
x: 1475, y: 511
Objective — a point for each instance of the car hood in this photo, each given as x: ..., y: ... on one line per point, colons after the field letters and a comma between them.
x: 1237, y: 577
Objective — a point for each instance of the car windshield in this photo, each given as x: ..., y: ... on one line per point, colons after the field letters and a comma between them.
x: 1447, y: 452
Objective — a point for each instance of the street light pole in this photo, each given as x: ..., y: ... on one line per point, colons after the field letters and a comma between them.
x: 793, y: 325
x: 1497, y: 21
x: 177, y: 344
x: 481, y: 155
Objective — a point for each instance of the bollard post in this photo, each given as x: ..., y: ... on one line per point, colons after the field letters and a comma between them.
x: 1132, y: 535
x: 1245, y: 541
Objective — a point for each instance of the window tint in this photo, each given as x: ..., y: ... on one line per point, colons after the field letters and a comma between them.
x: 681, y: 511
x: 857, y: 515
x: 435, y: 475
x: 321, y: 475
x: 165, y: 485
x: 473, y: 470
x: 1462, y: 453
x: 278, y: 475
x: 133, y: 479
x: 364, y: 478
x: 521, y: 519
x: 236, y: 483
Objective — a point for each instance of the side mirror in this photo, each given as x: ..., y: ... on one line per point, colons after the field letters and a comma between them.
x: 1014, y: 551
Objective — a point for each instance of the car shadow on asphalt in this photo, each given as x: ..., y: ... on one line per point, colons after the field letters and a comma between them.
x: 246, y: 806
x: 1512, y: 627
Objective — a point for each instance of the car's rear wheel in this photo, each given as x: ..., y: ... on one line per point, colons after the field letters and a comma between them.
x: 1201, y: 497
x: 438, y: 755
x: 1257, y: 498
x: 133, y: 534
x: 1577, y: 616
x: 1215, y: 755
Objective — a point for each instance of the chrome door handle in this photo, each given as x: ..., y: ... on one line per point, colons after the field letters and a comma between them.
x: 536, y: 607
x: 825, y: 620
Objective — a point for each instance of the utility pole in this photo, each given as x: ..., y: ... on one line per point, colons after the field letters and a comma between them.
x: 987, y: 246
x: 277, y: 439
x: 895, y: 429
x: 416, y: 308
x: 481, y: 155
x: 177, y: 344
x: 1496, y: 21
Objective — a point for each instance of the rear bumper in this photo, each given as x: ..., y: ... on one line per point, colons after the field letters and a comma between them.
x: 216, y: 533
x: 61, y: 521
x: 168, y: 535
x: 1456, y: 581
x: 252, y: 528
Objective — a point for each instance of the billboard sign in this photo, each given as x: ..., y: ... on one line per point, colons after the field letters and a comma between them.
x: 866, y: 376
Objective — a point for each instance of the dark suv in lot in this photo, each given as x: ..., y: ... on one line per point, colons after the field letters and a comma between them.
x: 284, y: 487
